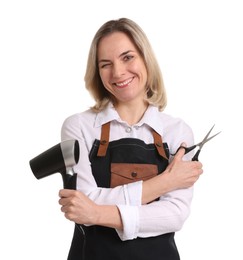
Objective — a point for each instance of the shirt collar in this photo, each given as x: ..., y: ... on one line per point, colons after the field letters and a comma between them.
x: 106, y: 115
x: 150, y: 118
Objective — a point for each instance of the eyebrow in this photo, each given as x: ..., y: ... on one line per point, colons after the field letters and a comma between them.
x: 122, y: 54
x: 125, y: 52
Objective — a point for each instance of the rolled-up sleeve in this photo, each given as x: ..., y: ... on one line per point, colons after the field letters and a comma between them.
x: 166, y: 215
x: 130, y: 220
x: 156, y: 218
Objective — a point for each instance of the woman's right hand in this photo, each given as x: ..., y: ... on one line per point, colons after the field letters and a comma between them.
x: 182, y: 174
x: 179, y: 174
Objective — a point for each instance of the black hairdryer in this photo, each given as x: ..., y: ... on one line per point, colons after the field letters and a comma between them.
x: 60, y: 158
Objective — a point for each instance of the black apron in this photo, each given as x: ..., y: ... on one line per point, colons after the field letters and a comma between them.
x: 103, y: 243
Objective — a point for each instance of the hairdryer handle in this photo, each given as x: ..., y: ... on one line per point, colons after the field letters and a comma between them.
x: 69, y: 181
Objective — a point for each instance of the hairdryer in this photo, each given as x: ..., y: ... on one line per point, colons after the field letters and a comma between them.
x: 60, y: 158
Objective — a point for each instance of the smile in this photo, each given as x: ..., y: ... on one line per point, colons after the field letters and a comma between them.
x: 124, y: 83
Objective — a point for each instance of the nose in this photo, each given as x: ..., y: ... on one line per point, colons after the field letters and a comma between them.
x: 118, y: 69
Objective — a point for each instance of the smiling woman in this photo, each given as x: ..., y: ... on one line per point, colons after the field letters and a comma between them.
x: 131, y: 196
x: 139, y: 43
x: 123, y: 74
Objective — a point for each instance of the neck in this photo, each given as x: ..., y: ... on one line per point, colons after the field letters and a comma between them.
x: 131, y: 113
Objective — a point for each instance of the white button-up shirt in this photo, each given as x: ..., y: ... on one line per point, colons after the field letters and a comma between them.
x: 153, y: 219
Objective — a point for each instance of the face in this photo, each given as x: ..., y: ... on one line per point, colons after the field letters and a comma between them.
x: 122, y: 69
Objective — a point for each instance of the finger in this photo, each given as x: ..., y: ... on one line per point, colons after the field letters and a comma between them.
x: 63, y: 201
x: 63, y: 193
x: 63, y: 209
x: 181, y: 152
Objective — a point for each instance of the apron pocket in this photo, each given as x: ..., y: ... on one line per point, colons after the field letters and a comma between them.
x: 124, y: 173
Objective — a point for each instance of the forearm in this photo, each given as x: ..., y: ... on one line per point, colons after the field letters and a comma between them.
x: 166, y: 215
x: 79, y: 208
x: 159, y: 217
x: 155, y: 187
x: 108, y: 216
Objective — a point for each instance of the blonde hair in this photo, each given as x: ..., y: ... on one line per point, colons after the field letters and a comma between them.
x: 156, y: 93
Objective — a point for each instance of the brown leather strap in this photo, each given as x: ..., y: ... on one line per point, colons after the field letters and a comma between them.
x: 104, y: 140
x: 158, y: 142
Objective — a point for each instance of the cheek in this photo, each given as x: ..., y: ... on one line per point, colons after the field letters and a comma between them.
x: 139, y: 69
x: 104, y: 75
x: 142, y: 72
x: 101, y: 74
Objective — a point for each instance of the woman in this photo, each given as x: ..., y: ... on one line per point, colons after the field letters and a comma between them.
x: 132, y: 195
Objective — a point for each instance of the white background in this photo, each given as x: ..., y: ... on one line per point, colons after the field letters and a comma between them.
x: 43, y: 51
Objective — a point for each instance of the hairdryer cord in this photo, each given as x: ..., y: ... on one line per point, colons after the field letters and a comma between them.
x: 80, y: 228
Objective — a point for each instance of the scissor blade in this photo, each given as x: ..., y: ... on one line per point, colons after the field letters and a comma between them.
x: 206, y: 137
x: 205, y: 141
x: 195, y: 157
x: 211, y: 137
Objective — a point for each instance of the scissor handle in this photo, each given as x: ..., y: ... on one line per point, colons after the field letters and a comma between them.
x: 195, y: 157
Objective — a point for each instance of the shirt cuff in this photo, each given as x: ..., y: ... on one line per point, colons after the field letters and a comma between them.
x: 133, y: 193
x: 130, y: 220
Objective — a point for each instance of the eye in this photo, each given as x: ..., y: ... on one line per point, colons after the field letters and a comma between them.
x: 104, y: 65
x: 128, y: 57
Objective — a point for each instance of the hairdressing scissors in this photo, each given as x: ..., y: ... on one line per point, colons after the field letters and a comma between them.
x: 200, y: 145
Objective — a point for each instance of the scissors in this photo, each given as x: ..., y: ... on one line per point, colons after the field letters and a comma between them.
x: 200, y: 145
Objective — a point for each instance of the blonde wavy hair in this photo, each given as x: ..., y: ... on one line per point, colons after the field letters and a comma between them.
x: 155, y: 90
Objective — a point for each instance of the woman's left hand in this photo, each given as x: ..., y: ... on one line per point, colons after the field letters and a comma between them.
x: 78, y: 207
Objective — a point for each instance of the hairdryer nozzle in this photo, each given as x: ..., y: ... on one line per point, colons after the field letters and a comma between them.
x: 59, y: 158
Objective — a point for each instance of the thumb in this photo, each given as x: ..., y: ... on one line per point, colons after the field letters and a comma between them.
x: 181, y: 152
x: 177, y: 156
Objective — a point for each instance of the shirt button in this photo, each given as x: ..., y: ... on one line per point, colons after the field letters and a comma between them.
x: 134, y: 174
x: 128, y: 129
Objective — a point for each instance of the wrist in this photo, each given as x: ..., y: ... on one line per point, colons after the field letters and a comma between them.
x: 156, y: 187
x: 108, y: 216
x: 168, y: 180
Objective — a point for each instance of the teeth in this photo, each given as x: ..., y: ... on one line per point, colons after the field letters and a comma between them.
x: 124, y: 83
